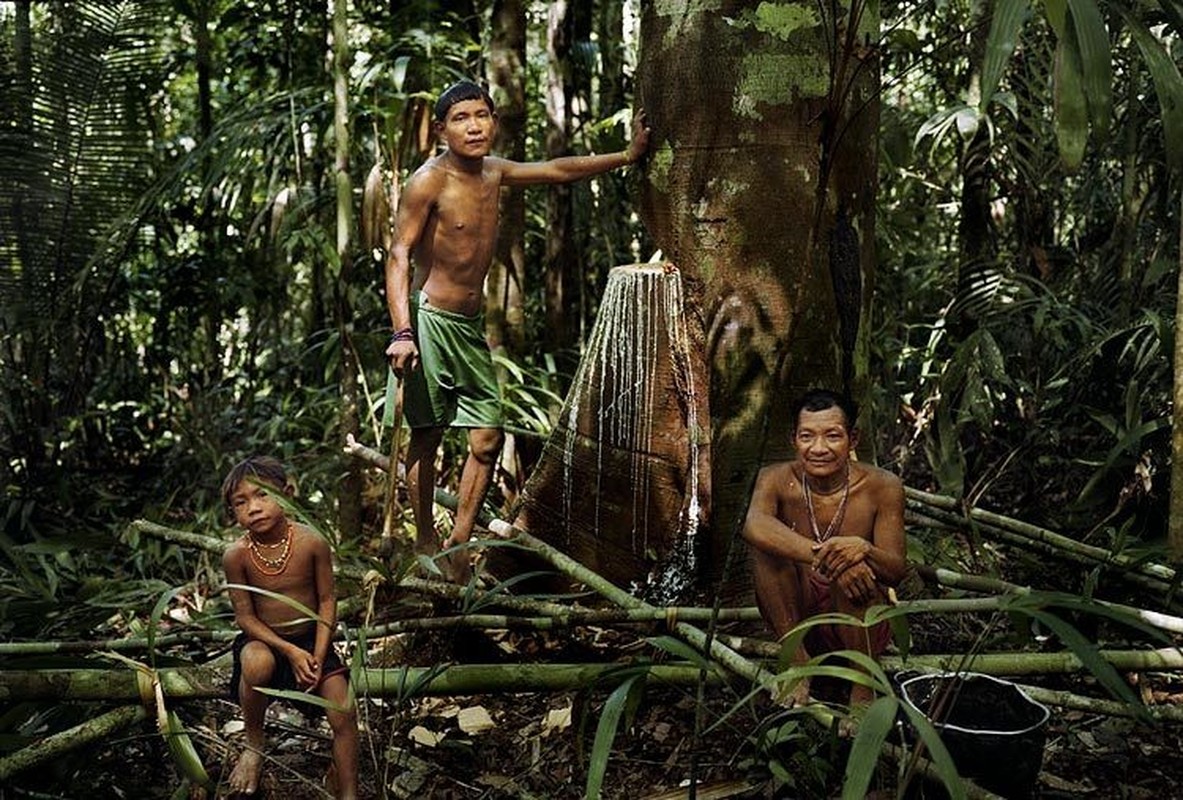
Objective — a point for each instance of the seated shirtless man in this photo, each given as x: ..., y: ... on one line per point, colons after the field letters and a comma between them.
x: 827, y: 534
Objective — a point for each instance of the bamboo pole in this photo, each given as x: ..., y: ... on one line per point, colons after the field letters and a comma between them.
x: 578, y: 572
x: 926, y: 502
x: 127, y: 645
x: 985, y: 585
x: 570, y: 618
x: 93, y: 730
x: 204, y: 683
x: 1110, y: 708
x: 437, y: 588
x: 201, y: 683
x: 937, y: 517
x: 1166, y: 659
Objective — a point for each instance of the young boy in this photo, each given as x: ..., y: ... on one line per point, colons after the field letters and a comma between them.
x: 447, y: 220
x: 279, y: 647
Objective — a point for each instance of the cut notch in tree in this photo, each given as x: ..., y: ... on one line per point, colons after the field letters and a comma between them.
x: 623, y: 483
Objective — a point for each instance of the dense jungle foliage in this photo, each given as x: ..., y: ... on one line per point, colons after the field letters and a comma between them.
x: 175, y: 295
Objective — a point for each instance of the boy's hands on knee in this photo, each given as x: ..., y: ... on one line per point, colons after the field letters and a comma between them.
x: 305, y: 668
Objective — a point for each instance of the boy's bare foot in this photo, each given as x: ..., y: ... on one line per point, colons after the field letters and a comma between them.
x: 245, y: 777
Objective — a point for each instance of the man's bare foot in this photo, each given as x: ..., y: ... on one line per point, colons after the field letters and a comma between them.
x: 245, y: 777
x: 795, y: 697
x: 861, y: 698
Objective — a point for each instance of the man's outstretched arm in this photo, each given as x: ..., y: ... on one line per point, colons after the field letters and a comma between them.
x: 573, y: 168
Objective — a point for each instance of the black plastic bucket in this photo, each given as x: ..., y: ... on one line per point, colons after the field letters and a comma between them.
x: 993, y: 730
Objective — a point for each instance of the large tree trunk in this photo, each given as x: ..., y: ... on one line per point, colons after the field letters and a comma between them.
x: 760, y: 187
x: 505, y: 313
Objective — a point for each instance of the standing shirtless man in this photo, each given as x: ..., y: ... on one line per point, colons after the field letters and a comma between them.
x: 827, y: 534
x: 447, y: 222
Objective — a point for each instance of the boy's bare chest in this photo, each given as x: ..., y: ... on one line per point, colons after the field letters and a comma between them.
x: 294, y: 578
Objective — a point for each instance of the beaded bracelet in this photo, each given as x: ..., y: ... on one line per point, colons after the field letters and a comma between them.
x: 401, y: 335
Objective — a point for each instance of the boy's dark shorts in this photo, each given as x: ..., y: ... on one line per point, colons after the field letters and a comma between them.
x: 283, y: 678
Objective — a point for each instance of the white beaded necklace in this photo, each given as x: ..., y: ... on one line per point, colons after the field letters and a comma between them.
x: 836, y: 522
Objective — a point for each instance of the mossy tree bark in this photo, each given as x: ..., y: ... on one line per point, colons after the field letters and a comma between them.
x: 760, y: 187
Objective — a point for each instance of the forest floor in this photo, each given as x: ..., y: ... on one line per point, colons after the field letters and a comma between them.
x: 538, y: 745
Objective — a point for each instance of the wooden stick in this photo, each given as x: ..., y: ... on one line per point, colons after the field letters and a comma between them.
x: 392, y: 511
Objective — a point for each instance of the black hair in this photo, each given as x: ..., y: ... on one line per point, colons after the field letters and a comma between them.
x: 459, y: 92
x: 264, y: 469
x: 820, y: 400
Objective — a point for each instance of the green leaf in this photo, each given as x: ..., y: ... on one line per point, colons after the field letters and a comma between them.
x: 1168, y: 85
x: 309, y: 698
x: 937, y: 752
x: 183, y: 752
x: 1070, y: 107
x: 1057, y: 15
x: 864, y: 752
x: 606, y: 732
x: 154, y: 620
x: 1005, y: 27
x: 1088, y: 654
x: 1092, y: 40
x: 283, y: 598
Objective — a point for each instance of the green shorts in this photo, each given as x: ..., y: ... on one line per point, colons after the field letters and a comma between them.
x: 455, y: 384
